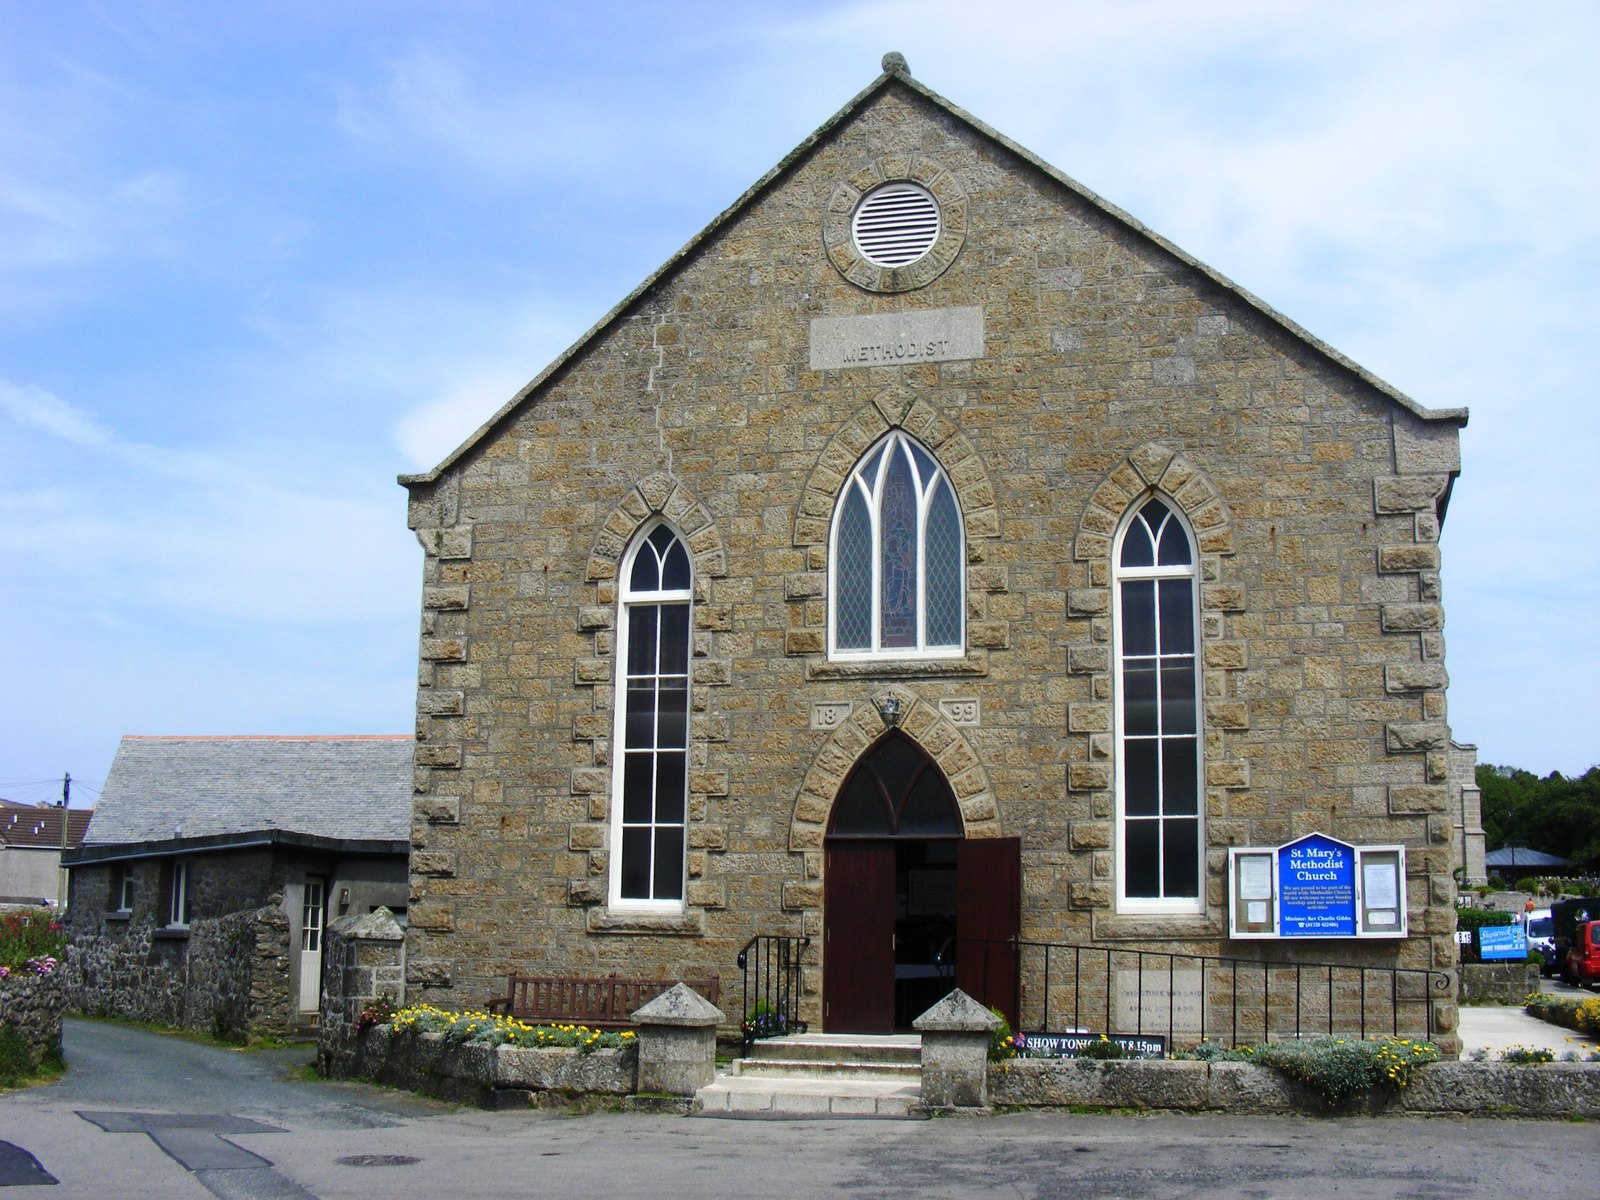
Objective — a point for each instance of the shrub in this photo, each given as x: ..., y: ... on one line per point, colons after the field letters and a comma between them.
x: 31, y: 942
x: 16, y: 1060
x: 1001, y: 1044
x: 1338, y: 1069
x: 1104, y: 1048
x: 763, y: 1021
x: 1527, y: 1056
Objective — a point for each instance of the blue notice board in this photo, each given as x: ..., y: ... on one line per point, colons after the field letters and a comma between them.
x: 1502, y: 941
x: 1317, y: 888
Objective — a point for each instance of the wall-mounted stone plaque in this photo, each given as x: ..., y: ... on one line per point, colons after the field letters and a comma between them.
x: 897, y: 339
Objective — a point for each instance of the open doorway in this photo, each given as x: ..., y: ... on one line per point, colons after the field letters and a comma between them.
x: 902, y: 889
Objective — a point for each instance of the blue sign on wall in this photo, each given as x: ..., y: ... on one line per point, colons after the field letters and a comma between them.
x: 1502, y: 941
x: 1316, y: 888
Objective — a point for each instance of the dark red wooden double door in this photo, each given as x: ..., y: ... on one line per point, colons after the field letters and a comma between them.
x: 859, y: 913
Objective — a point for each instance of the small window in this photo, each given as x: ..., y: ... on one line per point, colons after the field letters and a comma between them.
x: 121, y: 888
x: 178, y: 895
x: 896, y: 585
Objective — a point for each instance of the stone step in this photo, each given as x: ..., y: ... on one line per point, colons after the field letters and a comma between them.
x: 834, y: 1047
x: 813, y: 1068
x: 777, y: 1097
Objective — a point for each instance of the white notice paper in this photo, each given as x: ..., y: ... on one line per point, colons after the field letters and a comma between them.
x: 1255, y: 877
x: 1255, y: 912
x: 1379, y: 884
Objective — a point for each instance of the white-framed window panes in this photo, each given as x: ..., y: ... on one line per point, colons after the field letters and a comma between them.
x: 651, y: 767
x: 178, y: 895
x: 1160, y: 834
x: 896, y: 578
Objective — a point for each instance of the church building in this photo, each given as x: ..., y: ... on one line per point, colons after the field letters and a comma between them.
x: 930, y: 565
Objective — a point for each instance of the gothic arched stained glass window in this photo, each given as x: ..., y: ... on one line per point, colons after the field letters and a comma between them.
x: 897, y: 555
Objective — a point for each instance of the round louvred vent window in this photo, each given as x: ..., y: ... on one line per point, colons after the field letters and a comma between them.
x: 895, y: 225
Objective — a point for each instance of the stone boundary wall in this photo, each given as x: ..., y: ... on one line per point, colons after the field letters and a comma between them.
x: 1555, y: 1090
x: 32, y: 1005
x: 490, y: 1076
x: 1498, y: 983
x: 227, y: 977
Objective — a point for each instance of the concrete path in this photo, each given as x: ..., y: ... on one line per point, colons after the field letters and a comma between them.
x: 1495, y: 1029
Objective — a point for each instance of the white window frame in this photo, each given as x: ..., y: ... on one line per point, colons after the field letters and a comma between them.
x: 1119, y: 575
x: 177, y: 898
x: 626, y: 600
x: 873, y: 497
x: 123, y: 878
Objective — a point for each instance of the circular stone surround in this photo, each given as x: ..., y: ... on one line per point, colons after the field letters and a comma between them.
x: 837, y: 221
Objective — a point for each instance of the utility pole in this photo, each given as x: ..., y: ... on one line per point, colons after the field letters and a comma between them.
x: 61, y: 870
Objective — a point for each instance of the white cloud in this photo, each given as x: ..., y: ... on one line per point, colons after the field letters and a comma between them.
x: 35, y: 408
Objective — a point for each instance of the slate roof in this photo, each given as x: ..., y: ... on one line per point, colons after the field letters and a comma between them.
x: 338, y: 787
x: 38, y: 826
x: 1521, y: 856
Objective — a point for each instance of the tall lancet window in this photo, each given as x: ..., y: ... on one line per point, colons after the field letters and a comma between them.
x: 897, y: 554
x: 651, y: 769
x: 1160, y: 848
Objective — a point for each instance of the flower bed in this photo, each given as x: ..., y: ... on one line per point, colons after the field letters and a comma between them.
x: 495, y: 1061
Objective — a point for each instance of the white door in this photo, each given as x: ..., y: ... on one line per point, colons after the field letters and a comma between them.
x: 312, y: 911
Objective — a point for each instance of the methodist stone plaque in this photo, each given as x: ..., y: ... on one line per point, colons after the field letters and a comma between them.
x: 897, y: 339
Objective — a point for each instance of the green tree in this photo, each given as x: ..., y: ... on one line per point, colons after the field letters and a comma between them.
x: 1555, y: 814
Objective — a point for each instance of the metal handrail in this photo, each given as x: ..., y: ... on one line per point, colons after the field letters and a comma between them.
x: 1293, y: 1000
x: 772, y: 963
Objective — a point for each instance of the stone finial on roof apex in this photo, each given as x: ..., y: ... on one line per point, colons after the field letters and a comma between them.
x: 895, y: 63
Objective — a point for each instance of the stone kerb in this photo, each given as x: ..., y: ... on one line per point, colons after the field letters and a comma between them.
x: 32, y: 1006
x: 677, y: 1042
x: 364, y: 962
x: 955, y: 1052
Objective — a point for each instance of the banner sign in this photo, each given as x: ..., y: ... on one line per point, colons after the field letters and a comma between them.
x: 1070, y: 1045
x: 1316, y: 888
x: 1502, y: 942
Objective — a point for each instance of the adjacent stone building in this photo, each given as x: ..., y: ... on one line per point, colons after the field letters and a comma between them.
x: 214, y: 864
x: 927, y: 554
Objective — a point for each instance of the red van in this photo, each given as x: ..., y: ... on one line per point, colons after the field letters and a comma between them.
x: 1583, y: 959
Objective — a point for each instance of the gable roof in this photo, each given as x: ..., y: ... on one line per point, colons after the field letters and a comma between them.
x: 38, y: 826
x: 219, y: 789
x: 897, y: 74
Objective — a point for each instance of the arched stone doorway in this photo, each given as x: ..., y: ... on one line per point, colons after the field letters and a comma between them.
x: 896, y: 867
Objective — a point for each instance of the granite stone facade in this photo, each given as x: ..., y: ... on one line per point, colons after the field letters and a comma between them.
x: 1107, y: 367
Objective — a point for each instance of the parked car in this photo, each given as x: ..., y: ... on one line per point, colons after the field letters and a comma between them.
x: 1566, y: 916
x: 1582, y: 966
x: 1541, y: 937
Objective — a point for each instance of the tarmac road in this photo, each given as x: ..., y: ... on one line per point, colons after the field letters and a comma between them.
x: 139, y: 1114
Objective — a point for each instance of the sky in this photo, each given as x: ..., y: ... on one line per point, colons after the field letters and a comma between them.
x: 258, y: 260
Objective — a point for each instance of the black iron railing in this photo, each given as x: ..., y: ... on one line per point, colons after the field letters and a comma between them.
x: 770, y: 965
x: 1189, y: 997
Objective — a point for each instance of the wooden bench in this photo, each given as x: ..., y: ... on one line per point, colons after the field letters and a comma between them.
x: 599, y: 1003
